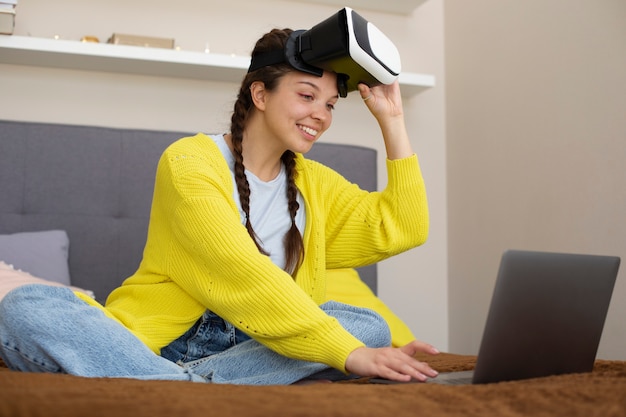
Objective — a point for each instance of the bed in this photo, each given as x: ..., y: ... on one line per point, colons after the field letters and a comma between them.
x: 600, y: 393
x: 95, y: 185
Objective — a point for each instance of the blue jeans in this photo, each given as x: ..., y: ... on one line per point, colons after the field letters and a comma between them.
x: 49, y: 329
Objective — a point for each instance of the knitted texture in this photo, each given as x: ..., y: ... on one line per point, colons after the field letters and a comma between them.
x: 199, y: 256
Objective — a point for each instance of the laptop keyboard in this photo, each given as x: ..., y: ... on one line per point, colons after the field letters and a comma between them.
x: 453, y: 378
x: 444, y: 378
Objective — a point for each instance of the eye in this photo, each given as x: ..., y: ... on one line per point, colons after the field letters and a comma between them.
x: 330, y: 106
x: 307, y: 97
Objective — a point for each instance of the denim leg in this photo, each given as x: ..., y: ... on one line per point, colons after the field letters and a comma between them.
x: 49, y: 329
x: 254, y: 364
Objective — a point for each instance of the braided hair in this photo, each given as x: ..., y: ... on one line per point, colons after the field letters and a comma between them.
x: 270, y: 76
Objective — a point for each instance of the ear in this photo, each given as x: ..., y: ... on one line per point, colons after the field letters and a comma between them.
x: 258, y: 94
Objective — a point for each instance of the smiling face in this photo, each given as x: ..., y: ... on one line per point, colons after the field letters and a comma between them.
x: 297, y: 111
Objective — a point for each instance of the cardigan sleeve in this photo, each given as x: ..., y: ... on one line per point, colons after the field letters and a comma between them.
x: 366, y: 227
x: 212, y: 257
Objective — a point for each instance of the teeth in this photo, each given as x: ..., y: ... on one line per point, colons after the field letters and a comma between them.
x: 308, y: 130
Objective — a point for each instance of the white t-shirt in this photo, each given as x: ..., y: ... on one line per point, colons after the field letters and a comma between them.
x: 269, y: 213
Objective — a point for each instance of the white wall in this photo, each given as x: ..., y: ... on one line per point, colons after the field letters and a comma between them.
x: 536, y: 123
x: 413, y: 284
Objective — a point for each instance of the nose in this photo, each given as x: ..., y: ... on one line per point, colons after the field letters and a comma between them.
x: 322, y: 113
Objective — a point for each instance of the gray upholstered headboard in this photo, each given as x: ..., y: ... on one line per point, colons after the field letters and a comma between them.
x: 96, y: 184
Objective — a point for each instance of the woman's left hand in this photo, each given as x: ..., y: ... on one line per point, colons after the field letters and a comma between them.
x: 382, y: 100
x: 385, y: 103
x: 397, y: 364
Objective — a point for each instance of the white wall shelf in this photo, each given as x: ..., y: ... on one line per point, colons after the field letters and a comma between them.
x: 57, y: 53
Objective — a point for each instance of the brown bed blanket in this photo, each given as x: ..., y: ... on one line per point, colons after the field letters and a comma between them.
x: 599, y: 393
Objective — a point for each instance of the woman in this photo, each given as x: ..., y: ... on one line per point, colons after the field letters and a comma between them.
x: 242, y: 229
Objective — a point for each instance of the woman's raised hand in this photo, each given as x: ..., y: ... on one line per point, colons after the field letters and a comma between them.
x: 385, y: 103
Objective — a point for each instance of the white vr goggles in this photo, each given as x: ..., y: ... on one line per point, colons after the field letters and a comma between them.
x: 346, y: 44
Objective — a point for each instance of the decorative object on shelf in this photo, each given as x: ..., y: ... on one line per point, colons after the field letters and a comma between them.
x: 7, y: 16
x: 147, y: 41
x: 88, y: 38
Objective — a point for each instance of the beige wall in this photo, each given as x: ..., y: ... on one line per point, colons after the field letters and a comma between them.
x: 536, y: 130
x: 413, y: 284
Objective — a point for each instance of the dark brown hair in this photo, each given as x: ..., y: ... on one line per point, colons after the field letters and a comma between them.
x: 269, y: 76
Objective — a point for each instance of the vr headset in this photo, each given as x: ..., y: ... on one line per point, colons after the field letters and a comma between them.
x: 346, y: 44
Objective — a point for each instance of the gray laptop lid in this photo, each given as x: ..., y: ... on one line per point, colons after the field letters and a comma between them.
x: 546, y: 315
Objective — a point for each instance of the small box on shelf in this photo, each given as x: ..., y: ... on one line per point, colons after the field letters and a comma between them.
x: 148, y: 41
x: 7, y: 21
x: 7, y: 16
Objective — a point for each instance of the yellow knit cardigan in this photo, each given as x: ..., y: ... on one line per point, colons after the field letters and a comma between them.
x: 199, y: 256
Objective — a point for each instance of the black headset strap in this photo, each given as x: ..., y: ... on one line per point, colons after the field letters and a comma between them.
x: 290, y: 54
x: 267, y: 58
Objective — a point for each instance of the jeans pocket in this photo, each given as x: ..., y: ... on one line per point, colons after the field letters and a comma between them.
x: 211, y: 334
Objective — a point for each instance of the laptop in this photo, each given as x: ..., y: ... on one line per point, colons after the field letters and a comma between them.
x: 546, y: 317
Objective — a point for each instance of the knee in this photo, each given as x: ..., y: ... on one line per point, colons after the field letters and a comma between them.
x: 27, y: 304
x: 376, y: 330
x: 36, y: 293
x: 364, y: 324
